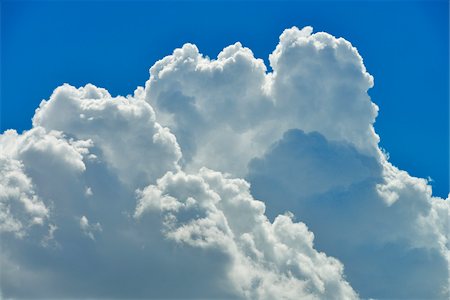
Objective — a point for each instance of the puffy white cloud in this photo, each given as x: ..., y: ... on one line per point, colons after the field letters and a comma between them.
x: 198, y: 97
x: 38, y: 169
x: 267, y: 260
x: 122, y: 128
x: 86, y: 156
x: 20, y: 207
x: 318, y: 83
x: 334, y: 177
x: 90, y: 245
x: 116, y: 196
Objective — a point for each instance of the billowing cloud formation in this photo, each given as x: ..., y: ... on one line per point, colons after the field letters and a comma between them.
x: 318, y: 83
x: 382, y: 223
x: 107, y: 212
x: 267, y: 260
x: 124, y: 130
x: 140, y: 196
x: 20, y: 207
x: 370, y: 215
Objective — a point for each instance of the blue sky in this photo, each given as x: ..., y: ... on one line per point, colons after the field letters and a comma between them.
x: 112, y: 44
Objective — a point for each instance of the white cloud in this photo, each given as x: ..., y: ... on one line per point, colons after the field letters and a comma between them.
x: 353, y: 195
x: 368, y: 214
x: 105, y: 197
x: 203, y: 233
x: 318, y: 83
x: 89, y: 229
x: 267, y: 260
x: 20, y: 207
x: 122, y: 128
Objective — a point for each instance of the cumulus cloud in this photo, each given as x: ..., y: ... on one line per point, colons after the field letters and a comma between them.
x: 331, y: 174
x: 20, y: 206
x: 267, y: 260
x: 191, y: 187
x: 318, y: 83
x: 115, y: 202
x: 123, y: 128
x: 370, y: 215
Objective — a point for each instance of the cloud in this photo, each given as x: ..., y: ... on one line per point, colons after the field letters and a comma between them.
x: 121, y: 219
x: 368, y: 214
x: 267, y: 260
x: 331, y: 174
x: 123, y: 128
x: 89, y: 229
x: 154, y: 195
x: 318, y: 83
x: 20, y: 207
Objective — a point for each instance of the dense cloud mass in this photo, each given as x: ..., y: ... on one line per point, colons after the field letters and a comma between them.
x: 318, y: 83
x: 370, y: 215
x: 219, y: 180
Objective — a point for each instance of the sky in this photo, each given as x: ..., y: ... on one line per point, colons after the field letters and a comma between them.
x: 112, y: 44
x: 209, y: 149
